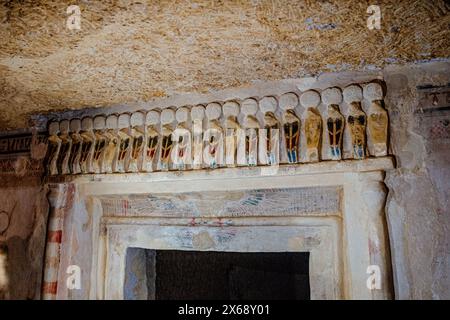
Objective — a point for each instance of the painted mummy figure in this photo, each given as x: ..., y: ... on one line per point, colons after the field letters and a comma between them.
x: 356, y: 120
x: 125, y: 142
x: 165, y: 151
x: 181, y: 152
x: 87, y: 148
x: 152, y: 121
x: 251, y: 127
x: 197, y: 115
x: 213, y: 137
x: 112, y: 144
x: 310, y: 100
x: 332, y: 97
x: 291, y: 126
x: 232, y: 132
x: 377, y: 120
x: 100, y: 144
x: 66, y: 146
x: 77, y: 142
x: 54, y: 145
x: 269, y: 137
x: 137, y: 122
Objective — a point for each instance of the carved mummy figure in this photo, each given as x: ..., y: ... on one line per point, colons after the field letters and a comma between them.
x: 88, y: 146
x: 332, y: 97
x: 137, y: 131
x: 77, y: 142
x: 232, y: 133
x: 100, y: 144
x: 377, y: 120
x: 66, y: 145
x: 291, y: 126
x: 125, y: 142
x: 176, y: 139
x: 167, y: 119
x: 251, y: 127
x: 269, y: 136
x: 197, y: 115
x: 213, y: 137
x: 356, y: 120
x: 54, y: 145
x: 152, y: 121
x: 313, y: 125
x: 112, y: 144
x: 181, y: 152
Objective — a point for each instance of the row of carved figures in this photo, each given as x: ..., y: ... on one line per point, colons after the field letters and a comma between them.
x: 230, y: 135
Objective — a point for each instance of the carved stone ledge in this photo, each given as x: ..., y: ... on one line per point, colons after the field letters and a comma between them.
x: 323, y: 167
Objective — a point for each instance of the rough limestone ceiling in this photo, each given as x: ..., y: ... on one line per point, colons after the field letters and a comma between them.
x: 131, y: 51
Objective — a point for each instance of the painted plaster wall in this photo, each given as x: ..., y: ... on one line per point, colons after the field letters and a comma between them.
x: 417, y: 206
x: 24, y: 208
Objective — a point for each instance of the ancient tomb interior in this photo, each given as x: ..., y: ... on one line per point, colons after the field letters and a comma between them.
x: 213, y: 275
x: 235, y: 150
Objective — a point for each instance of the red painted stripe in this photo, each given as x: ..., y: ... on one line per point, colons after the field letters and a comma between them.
x: 54, y: 236
x: 50, y: 287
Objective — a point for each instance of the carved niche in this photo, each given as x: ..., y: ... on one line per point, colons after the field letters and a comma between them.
x: 356, y: 120
x: 197, y: 116
x: 291, y: 126
x: 332, y: 97
x: 313, y: 125
x: 269, y: 136
x: 165, y: 151
x: 66, y: 146
x: 213, y: 137
x: 152, y: 121
x: 377, y: 120
x: 54, y: 145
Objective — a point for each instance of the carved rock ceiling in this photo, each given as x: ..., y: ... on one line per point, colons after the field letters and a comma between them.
x: 128, y: 51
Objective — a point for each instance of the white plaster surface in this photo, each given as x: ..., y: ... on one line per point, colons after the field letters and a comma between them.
x: 341, y: 248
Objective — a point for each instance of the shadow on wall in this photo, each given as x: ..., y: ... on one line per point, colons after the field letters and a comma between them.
x: 19, y: 278
x: 3, y: 273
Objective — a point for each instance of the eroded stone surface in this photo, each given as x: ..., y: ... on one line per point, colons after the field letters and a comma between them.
x: 132, y: 51
x: 418, y: 205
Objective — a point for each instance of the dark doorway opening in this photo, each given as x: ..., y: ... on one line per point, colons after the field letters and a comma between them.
x: 192, y: 275
x: 231, y: 275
